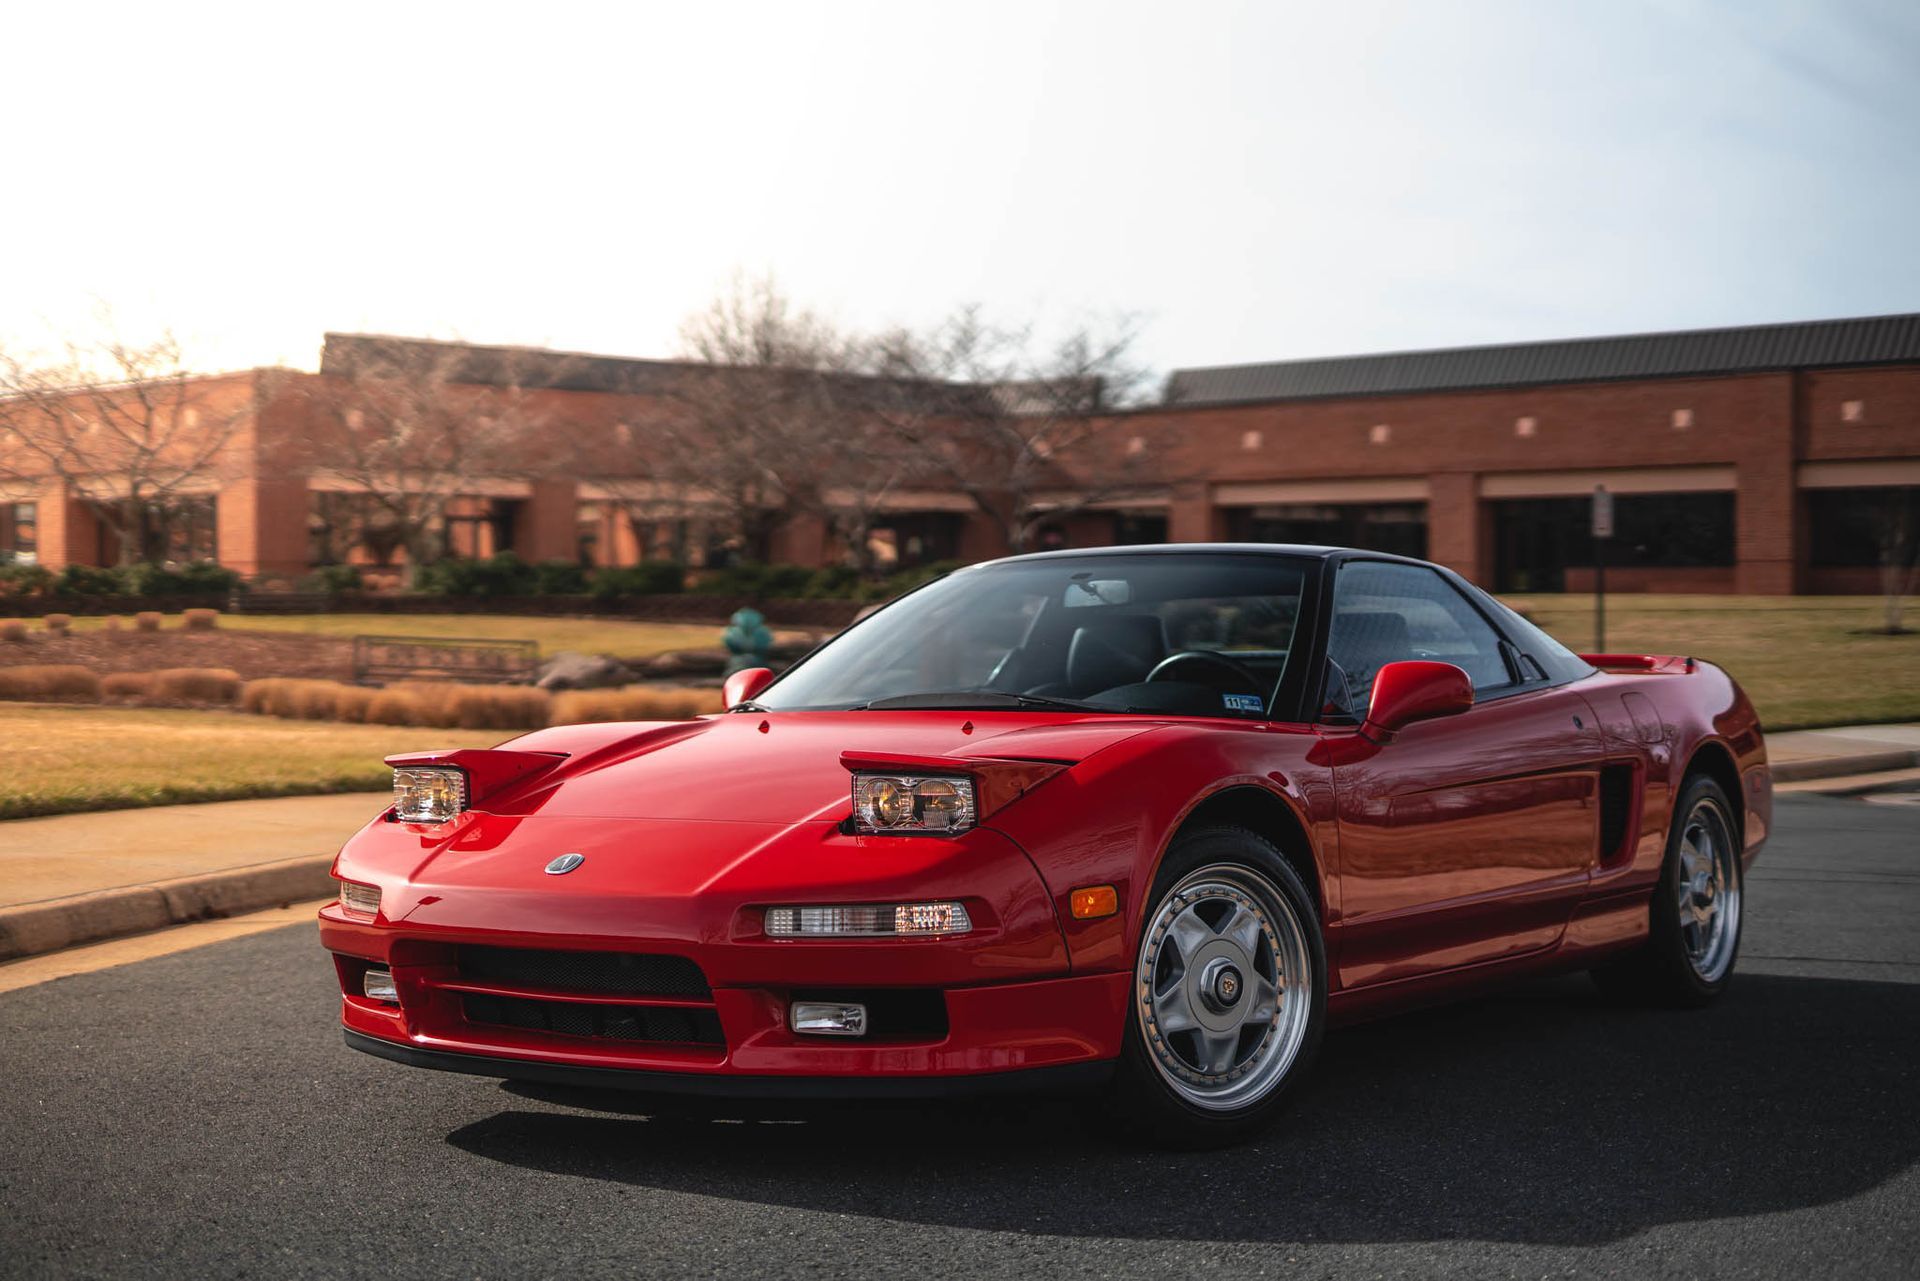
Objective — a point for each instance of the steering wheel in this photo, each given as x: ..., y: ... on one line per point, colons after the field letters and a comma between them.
x: 1215, y: 663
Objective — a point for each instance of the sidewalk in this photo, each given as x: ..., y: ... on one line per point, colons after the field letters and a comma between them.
x: 74, y: 878
x: 1847, y: 753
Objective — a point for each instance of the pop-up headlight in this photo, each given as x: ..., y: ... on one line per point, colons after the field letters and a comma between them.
x: 428, y: 793
x: 912, y: 803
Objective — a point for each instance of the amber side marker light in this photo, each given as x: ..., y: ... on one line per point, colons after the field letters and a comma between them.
x: 1093, y: 902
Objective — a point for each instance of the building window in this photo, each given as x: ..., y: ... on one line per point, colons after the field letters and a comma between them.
x: 1400, y: 528
x: 1861, y: 527
x: 20, y: 534
x: 1537, y: 539
x: 1133, y: 529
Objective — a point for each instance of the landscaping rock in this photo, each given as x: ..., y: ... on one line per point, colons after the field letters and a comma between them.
x: 583, y: 671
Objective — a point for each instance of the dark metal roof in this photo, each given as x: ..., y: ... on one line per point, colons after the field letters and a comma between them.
x: 348, y: 354
x: 1871, y: 340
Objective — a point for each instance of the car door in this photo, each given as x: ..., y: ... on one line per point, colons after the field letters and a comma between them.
x: 1463, y: 839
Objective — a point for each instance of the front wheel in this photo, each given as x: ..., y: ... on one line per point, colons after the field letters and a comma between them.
x: 1229, y: 993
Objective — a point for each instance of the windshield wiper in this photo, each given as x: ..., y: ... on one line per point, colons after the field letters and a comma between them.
x: 975, y: 699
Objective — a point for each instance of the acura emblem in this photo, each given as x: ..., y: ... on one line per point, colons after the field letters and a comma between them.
x: 565, y: 863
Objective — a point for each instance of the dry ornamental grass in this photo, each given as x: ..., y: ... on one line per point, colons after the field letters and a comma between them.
x: 13, y: 630
x: 634, y: 703
x: 200, y: 620
x: 49, y: 683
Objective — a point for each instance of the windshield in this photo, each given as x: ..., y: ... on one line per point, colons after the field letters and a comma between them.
x: 1185, y: 634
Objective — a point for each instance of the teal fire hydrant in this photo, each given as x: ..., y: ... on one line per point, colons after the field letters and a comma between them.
x: 747, y: 640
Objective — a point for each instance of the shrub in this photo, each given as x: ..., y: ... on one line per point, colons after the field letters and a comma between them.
x: 332, y: 579
x: 88, y: 580
x: 49, y: 682
x: 749, y: 578
x: 200, y: 620
x: 195, y: 685
x: 195, y: 578
x: 137, y: 686
x: 559, y: 578
x: 426, y: 703
x: 13, y: 630
x: 25, y: 580
x: 634, y: 703
x: 292, y: 698
x: 648, y: 578
x: 502, y: 575
x: 905, y: 581
x: 58, y: 624
x: 147, y: 620
x: 112, y: 623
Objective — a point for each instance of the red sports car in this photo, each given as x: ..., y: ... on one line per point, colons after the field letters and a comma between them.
x: 1138, y: 820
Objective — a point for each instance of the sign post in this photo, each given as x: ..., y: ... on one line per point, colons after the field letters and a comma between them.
x: 1602, y: 531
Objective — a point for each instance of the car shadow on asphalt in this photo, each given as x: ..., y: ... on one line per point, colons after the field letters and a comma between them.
x: 1544, y: 1115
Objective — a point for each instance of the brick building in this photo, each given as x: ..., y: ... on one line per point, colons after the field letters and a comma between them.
x: 1766, y: 459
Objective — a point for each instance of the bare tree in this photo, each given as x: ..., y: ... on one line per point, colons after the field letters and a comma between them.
x: 401, y: 429
x: 1028, y: 438
x: 1897, y: 523
x: 125, y: 425
x: 763, y: 426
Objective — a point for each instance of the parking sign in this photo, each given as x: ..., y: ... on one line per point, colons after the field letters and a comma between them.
x: 1602, y: 512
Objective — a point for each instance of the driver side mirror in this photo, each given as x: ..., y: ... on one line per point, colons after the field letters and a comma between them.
x: 1415, y: 691
x: 744, y: 685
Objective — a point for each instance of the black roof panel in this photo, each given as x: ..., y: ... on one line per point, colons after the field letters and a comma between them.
x: 1870, y: 340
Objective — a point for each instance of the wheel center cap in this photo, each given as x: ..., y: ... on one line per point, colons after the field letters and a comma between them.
x: 1221, y: 984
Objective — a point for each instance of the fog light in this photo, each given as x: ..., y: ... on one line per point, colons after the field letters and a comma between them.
x: 872, y: 920
x: 378, y: 985
x: 828, y: 1018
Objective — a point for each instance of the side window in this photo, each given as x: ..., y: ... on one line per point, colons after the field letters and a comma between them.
x: 1385, y: 613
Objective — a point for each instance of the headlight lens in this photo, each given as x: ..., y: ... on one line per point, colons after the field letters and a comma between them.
x: 428, y: 793
x: 911, y: 803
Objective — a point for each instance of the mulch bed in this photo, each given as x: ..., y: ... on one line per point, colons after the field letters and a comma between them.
x: 252, y: 654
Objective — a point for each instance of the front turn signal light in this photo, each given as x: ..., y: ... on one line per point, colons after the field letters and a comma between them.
x: 360, y: 900
x: 868, y: 920
x: 1093, y: 902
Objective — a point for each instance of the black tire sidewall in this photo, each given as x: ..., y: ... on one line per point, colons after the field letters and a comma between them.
x: 1667, y: 950
x: 1141, y: 1097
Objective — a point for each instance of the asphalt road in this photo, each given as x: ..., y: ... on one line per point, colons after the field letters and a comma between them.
x: 198, y: 1114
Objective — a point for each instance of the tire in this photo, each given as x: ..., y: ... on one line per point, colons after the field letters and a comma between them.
x: 1229, y: 998
x: 1693, y: 936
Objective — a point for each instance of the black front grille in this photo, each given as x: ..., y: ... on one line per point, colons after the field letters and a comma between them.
x: 622, y: 973
x: 605, y: 1022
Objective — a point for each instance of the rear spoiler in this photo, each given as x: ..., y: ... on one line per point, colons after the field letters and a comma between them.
x: 1659, y: 664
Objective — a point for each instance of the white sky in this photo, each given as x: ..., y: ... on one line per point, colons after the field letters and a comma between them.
x: 1256, y: 181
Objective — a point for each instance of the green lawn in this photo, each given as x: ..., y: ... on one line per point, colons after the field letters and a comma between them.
x: 615, y: 636
x: 64, y: 759
x: 1806, y: 661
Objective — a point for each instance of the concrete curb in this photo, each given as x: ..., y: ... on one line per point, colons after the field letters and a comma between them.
x: 29, y: 929
x: 1841, y: 766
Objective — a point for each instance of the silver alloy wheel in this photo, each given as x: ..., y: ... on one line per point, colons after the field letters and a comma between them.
x: 1224, y: 987
x: 1707, y: 890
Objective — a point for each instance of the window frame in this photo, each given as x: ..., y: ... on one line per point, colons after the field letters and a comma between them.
x: 1511, y: 651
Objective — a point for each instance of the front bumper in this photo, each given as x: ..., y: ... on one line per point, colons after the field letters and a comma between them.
x: 740, y: 1085
x: 1013, y: 1026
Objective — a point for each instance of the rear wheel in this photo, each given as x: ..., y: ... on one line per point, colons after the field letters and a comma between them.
x: 1229, y: 993
x: 1693, y: 935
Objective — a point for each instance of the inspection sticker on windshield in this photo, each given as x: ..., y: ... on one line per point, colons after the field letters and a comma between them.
x: 1243, y: 702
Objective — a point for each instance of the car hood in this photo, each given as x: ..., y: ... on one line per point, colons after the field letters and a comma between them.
x: 782, y: 767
